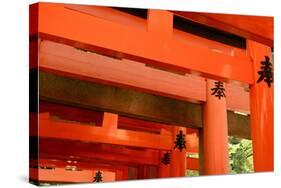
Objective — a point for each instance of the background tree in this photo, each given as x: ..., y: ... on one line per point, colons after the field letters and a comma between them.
x: 241, y: 155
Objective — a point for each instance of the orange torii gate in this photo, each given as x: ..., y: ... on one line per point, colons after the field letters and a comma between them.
x: 121, y: 41
x: 58, y: 127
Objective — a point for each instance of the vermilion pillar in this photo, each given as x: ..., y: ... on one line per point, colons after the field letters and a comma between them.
x: 215, y: 135
x: 261, y: 107
x: 164, y: 170
x: 178, y: 158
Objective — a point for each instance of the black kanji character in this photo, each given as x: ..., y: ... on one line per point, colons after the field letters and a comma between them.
x: 166, y: 159
x: 218, y: 90
x: 180, y: 141
x: 266, y: 72
x: 98, y: 177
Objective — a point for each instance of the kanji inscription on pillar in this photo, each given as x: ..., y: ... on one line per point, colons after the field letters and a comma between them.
x: 98, y: 177
x: 166, y: 158
x: 266, y: 72
x: 218, y: 90
x: 180, y: 141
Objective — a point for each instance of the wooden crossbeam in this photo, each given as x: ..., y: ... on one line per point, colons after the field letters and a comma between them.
x: 74, y: 131
x: 58, y: 23
x: 66, y: 60
x: 131, y: 103
x: 257, y: 28
x: 60, y: 175
x: 52, y: 161
x: 126, y: 17
x: 85, y: 152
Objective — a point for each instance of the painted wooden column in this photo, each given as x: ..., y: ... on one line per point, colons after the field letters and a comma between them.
x: 122, y: 173
x: 161, y: 22
x: 142, y: 172
x: 119, y: 175
x: 261, y: 108
x: 178, y: 158
x: 215, y: 135
x: 164, y: 170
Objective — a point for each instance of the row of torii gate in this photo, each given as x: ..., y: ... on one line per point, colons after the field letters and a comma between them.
x: 116, y: 89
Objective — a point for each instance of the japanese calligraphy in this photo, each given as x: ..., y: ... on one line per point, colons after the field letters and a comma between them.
x: 180, y: 141
x: 266, y: 73
x: 98, y: 177
x: 166, y: 159
x: 218, y: 90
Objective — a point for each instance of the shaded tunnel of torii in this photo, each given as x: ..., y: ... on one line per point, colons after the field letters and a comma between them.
x: 67, y: 78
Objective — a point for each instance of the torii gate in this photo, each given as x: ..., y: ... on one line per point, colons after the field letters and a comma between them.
x: 126, y: 51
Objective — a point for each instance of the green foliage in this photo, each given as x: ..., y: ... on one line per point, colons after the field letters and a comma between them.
x: 191, y: 173
x: 241, y: 155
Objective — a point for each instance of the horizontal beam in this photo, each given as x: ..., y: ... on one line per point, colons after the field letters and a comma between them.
x: 74, y: 131
x: 99, y: 159
x: 238, y: 125
x: 125, y: 102
x: 66, y: 60
x: 52, y: 161
x: 60, y: 24
x: 110, y: 14
x: 60, y: 175
x: 126, y: 19
x: 130, y: 103
x: 141, y: 125
x: 257, y: 28
x: 85, y: 152
x: 91, y: 117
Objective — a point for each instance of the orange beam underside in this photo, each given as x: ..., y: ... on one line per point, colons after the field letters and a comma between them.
x: 141, y: 125
x: 84, y: 116
x: 105, y: 158
x: 74, y: 131
x: 69, y: 113
x: 68, y: 61
x: 80, y: 165
x: 89, y: 32
x: 85, y: 151
x: 257, y: 28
